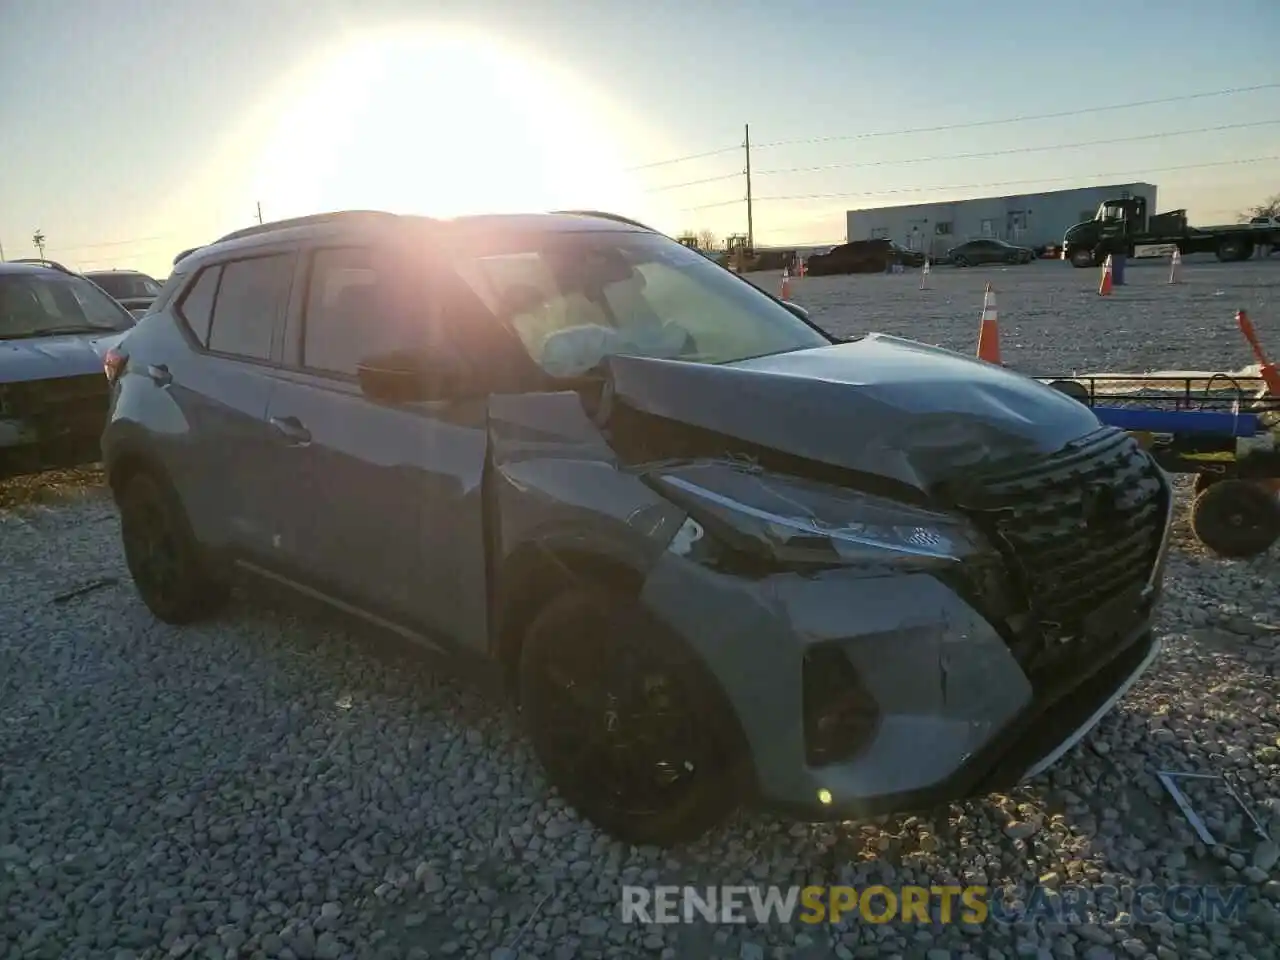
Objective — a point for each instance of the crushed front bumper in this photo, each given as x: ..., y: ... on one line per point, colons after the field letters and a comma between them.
x: 957, y: 715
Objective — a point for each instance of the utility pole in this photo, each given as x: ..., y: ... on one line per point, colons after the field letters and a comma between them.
x: 751, y: 239
x: 259, y: 211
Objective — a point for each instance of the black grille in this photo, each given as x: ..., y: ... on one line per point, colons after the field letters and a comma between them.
x: 1080, y: 532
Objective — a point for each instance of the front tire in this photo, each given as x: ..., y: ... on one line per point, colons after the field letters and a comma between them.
x: 167, y: 565
x: 628, y: 724
x: 1082, y: 258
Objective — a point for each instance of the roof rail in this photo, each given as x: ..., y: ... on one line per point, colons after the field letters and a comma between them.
x: 184, y: 254
x: 336, y: 216
x: 51, y: 264
x: 617, y: 218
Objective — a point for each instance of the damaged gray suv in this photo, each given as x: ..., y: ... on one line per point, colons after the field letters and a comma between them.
x: 715, y: 554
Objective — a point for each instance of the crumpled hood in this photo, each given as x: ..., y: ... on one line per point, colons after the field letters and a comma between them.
x: 881, y: 405
x: 44, y: 358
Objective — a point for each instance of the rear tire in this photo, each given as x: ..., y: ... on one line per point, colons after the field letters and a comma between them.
x: 1236, y: 518
x: 628, y: 724
x: 168, y: 567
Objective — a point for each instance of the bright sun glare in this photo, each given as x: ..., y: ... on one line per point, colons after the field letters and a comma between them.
x: 440, y: 123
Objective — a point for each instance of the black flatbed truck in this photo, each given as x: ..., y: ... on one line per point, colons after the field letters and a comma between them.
x: 1121, y: 226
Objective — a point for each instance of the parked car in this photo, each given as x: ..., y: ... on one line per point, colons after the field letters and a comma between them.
x: 861, y: 256
x: 55, y: 328
x: 715, y: 553
x: 134, y: 290
x: 974, y: 253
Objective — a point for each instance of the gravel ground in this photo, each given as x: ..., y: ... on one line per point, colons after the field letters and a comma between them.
x: 272, y: 785
x: 1052, y: 320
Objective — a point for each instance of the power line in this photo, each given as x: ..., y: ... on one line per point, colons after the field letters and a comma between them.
x: 967, y: 125
x: 1012, y: 151
x: 691, y: 156
x: 695, y: 183
x: 1024, y: 118
x: 991, y: 183
x: 1008, y: 152
x: 109, y: 243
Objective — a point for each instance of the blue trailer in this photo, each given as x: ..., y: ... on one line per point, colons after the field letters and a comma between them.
x: 1222, y: 428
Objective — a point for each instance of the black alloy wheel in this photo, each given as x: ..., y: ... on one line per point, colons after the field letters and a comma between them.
x: 629, y: 726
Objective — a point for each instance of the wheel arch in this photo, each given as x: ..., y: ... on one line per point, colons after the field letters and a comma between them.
x: 538, y: 570
x: 127, y: 459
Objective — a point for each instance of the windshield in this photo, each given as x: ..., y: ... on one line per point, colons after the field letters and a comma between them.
x: 32, y: 304
x: 126, y: 286
x: 1110, y: 212
x: 577, y: 298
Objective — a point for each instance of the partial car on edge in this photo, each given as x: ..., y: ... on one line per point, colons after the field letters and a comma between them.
x: 132, y: 289
x: 55, y: 330
x: 716, y: 554
x: 974, y: 253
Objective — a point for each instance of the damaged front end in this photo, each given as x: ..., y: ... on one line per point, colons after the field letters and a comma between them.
x: 51, y: 423
x: 898, y: 616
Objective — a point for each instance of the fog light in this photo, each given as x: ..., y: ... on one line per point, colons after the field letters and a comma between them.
x: 840, y: 715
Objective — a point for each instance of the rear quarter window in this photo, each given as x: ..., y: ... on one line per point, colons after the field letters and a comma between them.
x: 196, y: 305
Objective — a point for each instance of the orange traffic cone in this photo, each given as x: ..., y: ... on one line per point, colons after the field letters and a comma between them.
x: 801, y: 269
x: 1175, y: 266
x: 786, y: 284
x: 1270, y: 374
x: 989, y: 329
x: 1104, y: 288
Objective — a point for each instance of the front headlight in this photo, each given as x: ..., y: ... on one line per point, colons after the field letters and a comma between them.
x: 797, y: 521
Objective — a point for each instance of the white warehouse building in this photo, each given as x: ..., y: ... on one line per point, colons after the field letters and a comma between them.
x: 1032, y: 220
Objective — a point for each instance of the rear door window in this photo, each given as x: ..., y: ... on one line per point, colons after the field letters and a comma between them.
x: 251, y: 302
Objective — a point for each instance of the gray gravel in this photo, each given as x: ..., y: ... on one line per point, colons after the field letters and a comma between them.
x: 1053, y: 321
x: 271, y: 785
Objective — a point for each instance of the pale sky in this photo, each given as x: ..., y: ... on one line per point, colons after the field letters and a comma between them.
x: 132, y: 129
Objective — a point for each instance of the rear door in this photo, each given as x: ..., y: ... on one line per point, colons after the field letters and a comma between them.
x: 234, y: 314
x: 383, y: 503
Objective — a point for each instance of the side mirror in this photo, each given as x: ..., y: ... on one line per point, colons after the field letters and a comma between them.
x: 795, y: 308
x: 410, y: 377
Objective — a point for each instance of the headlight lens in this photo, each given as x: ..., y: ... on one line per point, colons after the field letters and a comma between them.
x: 799, y: 521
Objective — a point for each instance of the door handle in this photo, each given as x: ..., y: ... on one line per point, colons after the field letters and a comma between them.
x: 159, y: 374
x: 291, y: 429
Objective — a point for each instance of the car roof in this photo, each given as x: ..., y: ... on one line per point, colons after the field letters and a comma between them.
x: 346, y: 222
x: 114, y: 271
x: 36, y: 267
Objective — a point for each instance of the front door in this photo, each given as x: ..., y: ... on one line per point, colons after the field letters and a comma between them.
x: 386, y: 509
